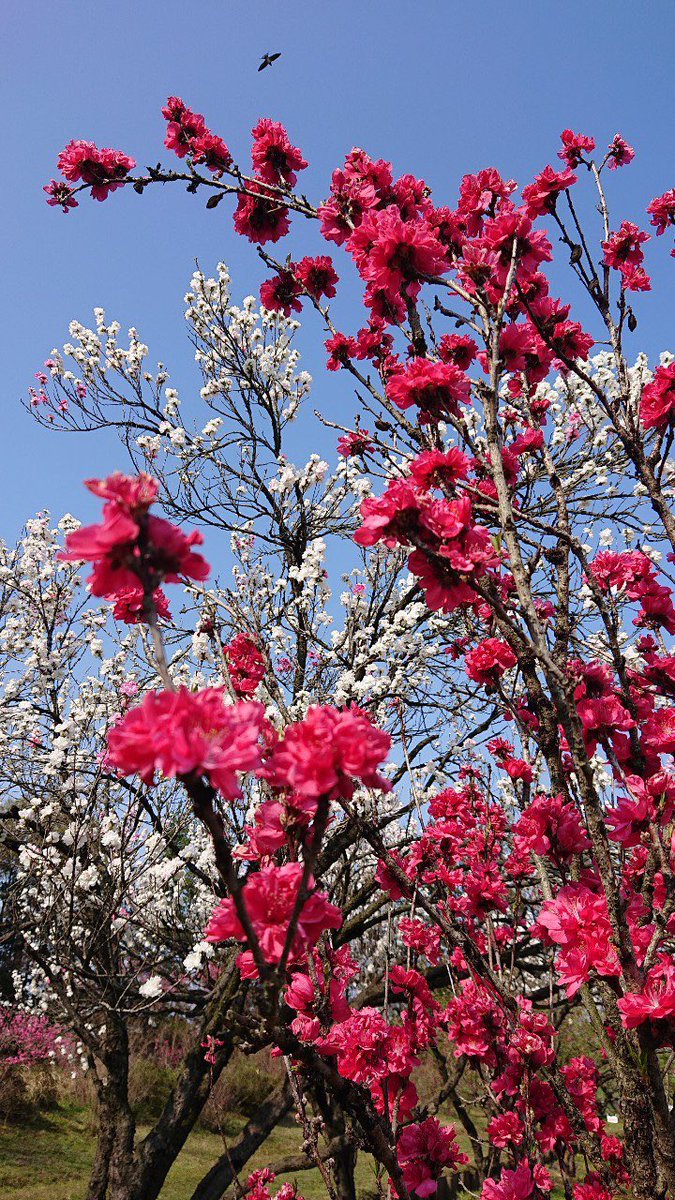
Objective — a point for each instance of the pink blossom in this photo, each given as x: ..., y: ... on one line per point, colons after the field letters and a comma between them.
x: 59, y: 194
x: 655, y: 1003
x: 575, y: 146
x: 130, y: 545
x: 105, y: 170
x: 540, y: 197
x: 391, y: 252
x: 324, y: 753
x: 369, y: 1049
x: 476, y: 1023
x: 129, y: 605
x: 551, y: 825
x: 388, y: 881
x: 391, y: 517
x: 662, y: 211
x: 423, y: 1151
x: 184, y: 126
x: 354, y: 443
x: 624, y: 248
x: 187, y: 733
x: 592, y: 1189
x: 436, y: 388
x: 489, y: 660
x: 340, y: 350
x: 270, y: 896
x: 523, y: 1183
x: 282, y: 293
x: 619, y: 153
x: 577, y: 920
x: 514, y: 227
x: 439, y: 469
x: 657, y: 404
x: 419, y: 936
x: 360, y: 185
x: 482, y: 195
x: 260, y: 215
x: 457, y: 348
x: 635, y: 279
x: 506, y: 1130
x: 317, y: 276
x: 659, y: 731
x: 245, y: 663
x: 26, y: 1039
x: 275, y: 160
x: 209, y: 149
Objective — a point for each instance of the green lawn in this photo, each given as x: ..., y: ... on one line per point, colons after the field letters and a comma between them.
x: 48, y: 1158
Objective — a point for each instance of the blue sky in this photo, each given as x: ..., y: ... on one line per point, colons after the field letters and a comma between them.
x: 440, y: 88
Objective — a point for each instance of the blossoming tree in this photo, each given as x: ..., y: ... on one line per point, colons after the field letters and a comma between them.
x: 115, y: 882
x: 526, y: 872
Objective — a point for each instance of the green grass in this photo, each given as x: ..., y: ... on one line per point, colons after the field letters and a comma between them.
x: 202, y: 1149
x: 49, y: 1157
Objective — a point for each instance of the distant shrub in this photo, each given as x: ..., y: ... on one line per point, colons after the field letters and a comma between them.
x: 243, y: 1086
x: 29, y: 1049
x: 150, y: 1085
x: 14, y: 1099
x: 25, y: 1039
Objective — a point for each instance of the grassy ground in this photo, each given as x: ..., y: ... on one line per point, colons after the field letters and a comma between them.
x: 48, y: 1158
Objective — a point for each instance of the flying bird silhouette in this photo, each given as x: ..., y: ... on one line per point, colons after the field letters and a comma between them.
x: 268, y: 59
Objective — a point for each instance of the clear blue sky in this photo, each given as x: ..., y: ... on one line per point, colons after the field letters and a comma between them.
x: 438, y: 87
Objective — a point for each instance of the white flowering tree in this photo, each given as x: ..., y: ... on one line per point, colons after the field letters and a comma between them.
x: 113, y: 882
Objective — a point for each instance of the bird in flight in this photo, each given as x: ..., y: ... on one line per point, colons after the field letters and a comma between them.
x: 268, y: 59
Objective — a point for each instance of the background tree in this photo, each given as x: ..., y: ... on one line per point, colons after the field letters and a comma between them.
x: 113, y: 881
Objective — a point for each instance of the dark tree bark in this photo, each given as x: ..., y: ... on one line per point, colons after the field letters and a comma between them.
x: 214, y: 1184
x: 105, y: 1139
x: 116, y: 1116
x: 122, y: 1170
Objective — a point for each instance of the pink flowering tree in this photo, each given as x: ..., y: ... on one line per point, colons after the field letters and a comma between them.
x: 26, y: 1040
x: 527, y: 878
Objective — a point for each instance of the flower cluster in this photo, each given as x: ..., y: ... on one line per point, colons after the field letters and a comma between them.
x: 322, y: 754
x: 188, y: 135
x: 132, y: 551
x: 271, y: 897
x: 314, y: 277
x: 452, y: 551
x: 245, y: 664
x: 104, y: 171
x: 657, y: 404
x: 182, y: 733
x: 623, y: 252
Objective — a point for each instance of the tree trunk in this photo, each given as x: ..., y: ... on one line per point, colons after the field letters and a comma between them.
x: 122, y: 1158
x: 214, y: 1185
x: 344, y: 1167
x: 638, y: 1128
x: 105, y: 1139
x: 115, y: 1097
x: 160, y: 1149
x: 121, y: 1170
x: 344, y: 1157
x: 116, y: 1126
